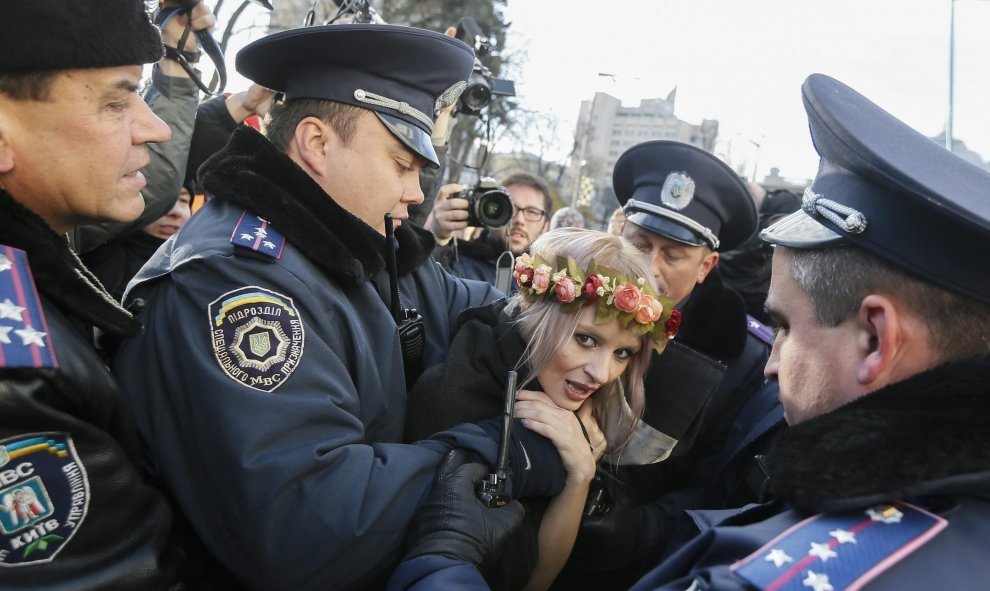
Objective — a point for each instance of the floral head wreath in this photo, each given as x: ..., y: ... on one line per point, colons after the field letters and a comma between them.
x: 633, y: 302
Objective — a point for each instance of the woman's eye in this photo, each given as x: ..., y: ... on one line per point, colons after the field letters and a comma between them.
x: 585, y: 340
x: 623, y: 354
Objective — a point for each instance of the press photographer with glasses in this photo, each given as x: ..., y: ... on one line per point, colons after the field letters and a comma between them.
x: 477, y: 258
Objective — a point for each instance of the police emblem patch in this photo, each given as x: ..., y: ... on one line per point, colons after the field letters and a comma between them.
x: 257, y: 336
x: 677, y: 191
x: 44, y: 496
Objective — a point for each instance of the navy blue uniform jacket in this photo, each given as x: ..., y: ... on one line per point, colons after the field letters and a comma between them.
x: 270, y: 393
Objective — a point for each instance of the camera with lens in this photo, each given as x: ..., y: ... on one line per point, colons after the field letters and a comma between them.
x: 488, y: 204
x: 481, y: 86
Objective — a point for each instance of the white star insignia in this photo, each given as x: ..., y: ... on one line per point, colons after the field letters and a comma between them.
x: 822, y: 551
x: 5, y: 334
x: 885, y: 514
x: 817, y: 582
x: 9, y: 310
x: 778, y: 557
x: 247, y: 237
x: 4, y: 263
x: 269, y: 244
x: 754, y: 324
x: 843, y: 536
x: 261, y: 232
x: 30, y: 336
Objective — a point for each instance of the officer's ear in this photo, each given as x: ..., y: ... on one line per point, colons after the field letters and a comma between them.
x: 891, y: 343
x: 6, y: 149
x: 708, y: 263
x: 309, y: 145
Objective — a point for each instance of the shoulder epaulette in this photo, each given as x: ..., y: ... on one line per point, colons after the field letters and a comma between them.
x: 840, y: 550
x: 24, y: 339
x: 759, y: 330
x: 255, y: 234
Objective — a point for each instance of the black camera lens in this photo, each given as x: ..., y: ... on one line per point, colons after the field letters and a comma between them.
x: 489, y: 208
x: 477, y: 96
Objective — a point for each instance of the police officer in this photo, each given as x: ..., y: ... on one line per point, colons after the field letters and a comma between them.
x: 268, y: 383
x: 683, y: 207
x: 883, y: 362
x: 74, y: 511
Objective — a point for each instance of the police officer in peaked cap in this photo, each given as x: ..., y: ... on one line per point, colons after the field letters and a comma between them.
x: 281, y: 437
x: 684, y: 206
x: 883, y: 297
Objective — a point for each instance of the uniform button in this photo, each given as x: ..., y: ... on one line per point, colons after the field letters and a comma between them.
x: 137, y: 305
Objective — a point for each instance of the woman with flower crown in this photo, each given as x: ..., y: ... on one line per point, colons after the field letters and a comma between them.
x: 580, y: 333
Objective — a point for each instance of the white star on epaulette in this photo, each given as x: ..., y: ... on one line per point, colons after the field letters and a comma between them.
x: 4, y: 263
x: 885, y: 514
x: 261, y: 232
x: 778, y: 557
x: 10, y: 310
x: 843, y: 536
x: 269, y: 244
x: 754, y: 324
x: 5, y: 334
x: 30, y: 336
x: 247, y: 237
x: 817, y: 582
x: 822, y: 551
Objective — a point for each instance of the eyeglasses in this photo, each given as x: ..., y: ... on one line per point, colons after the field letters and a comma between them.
x: 530, y: 214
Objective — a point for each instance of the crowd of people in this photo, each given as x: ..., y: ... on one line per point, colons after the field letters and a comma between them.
x: 229, y: 359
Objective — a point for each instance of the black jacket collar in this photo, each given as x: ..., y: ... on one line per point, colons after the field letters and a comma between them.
x: 59, y: 274
x: 252, y: 173
x: 928, y: 433
x: 714, y: 320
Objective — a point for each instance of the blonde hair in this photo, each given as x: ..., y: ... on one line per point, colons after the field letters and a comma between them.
x: 546, y: 327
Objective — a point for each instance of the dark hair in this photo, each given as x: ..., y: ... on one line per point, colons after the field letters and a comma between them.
x: 837, y: 280
x: 533, y: 181
x: 282, y: 120
x: 32, y: 86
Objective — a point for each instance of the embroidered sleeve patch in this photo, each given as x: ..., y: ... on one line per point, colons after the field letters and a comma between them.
x: 257, y: 336
x: 24, y: 340
x: 44, y: 495
x: 830, y: 552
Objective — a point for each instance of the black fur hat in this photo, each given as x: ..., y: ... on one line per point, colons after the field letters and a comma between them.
x: 44, y: 35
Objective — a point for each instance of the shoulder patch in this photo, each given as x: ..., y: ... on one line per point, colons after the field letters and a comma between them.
x: 257, y: 336
x: 255, y: 233
x: 759, y: 330
x: 44, y: 496
x: 24, y: 339
x: 840, y: 550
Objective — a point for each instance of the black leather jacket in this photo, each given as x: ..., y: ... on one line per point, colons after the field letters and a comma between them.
x: 75, y: 512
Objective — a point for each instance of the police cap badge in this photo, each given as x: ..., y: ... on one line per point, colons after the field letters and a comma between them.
x: 684, y: 193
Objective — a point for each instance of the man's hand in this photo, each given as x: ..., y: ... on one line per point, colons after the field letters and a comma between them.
x: 200, y: 17
x: 449, y: 213
x: 256, y: 100
x: 455, y: 524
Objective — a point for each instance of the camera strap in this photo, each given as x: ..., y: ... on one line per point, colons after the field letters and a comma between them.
x: 503, y: 272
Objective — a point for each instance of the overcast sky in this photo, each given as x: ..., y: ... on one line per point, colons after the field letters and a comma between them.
x: 743, y: 62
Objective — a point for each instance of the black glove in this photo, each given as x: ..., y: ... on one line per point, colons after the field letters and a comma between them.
x: 617, y: 532
x: 453, y: 523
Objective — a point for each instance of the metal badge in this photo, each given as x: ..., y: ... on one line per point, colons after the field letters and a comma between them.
x: 449, y: 97
x: 678, y: 190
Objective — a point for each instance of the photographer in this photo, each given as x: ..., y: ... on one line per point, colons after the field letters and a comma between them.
x: 476, y: 259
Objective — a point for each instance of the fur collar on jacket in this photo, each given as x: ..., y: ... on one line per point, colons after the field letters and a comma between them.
x: 59, y: 274
x: 252, y: 173
x: 892, y: 443
x: 714, y: 320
